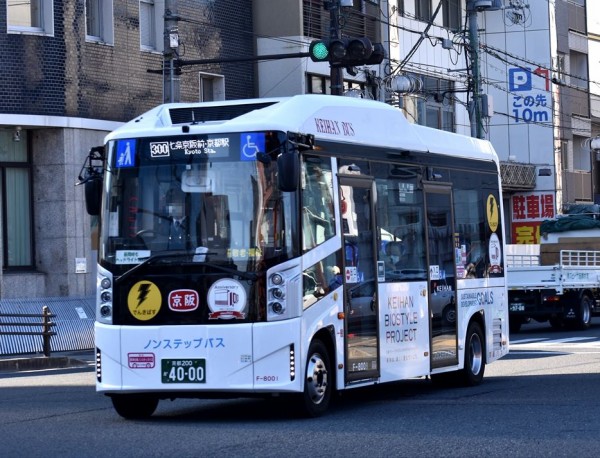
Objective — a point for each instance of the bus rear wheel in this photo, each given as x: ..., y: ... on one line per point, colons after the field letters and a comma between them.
x: 134, y: 406
x: 472, y: 373
x: 317, y: 380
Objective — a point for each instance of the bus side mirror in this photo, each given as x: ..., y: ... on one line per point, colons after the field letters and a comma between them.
x: 93, y: 195
x: 90, y: 176
x: 288, y: 171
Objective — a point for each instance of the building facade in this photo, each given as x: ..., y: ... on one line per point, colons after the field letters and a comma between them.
x: 72, y: 71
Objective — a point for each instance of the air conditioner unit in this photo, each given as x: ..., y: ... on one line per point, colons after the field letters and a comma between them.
x: 485, y: 5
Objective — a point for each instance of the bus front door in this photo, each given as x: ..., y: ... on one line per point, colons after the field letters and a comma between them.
x: 360, y: 279
x: 442, y: 275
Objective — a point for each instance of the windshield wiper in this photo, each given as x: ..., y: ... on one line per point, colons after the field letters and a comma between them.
x: 184, y: 254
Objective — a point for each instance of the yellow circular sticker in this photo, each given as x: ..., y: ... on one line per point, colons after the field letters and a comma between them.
x: 493, y: 211
x: 144, y: 300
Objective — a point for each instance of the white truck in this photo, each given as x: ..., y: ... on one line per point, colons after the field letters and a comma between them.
x: 556, y: 281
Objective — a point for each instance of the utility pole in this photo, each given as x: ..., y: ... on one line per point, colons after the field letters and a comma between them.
x: 171, y: 83
x: 475, y: 106
x: 335, y: 73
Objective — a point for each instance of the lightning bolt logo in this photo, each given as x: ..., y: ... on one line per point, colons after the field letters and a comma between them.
x: 144, y: 300
x: 143, y: 291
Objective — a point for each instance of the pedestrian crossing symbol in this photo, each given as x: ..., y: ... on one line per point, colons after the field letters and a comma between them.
x: 126, y: 153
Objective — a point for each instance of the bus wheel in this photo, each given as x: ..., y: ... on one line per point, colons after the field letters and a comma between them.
x: 317, y: 381
x: 474, y: 356
x: 134, y: 406
x: 584, y: 313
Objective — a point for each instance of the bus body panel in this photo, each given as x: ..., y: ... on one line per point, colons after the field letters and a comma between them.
x: 132, y: 356
x: 404, y: 333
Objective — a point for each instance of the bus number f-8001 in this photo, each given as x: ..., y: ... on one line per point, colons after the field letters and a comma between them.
x: 183, y: 370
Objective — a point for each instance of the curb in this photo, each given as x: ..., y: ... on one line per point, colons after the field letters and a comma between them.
x: 39, y: 363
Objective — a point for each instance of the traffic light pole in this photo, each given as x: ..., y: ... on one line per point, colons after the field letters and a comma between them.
x: 335, y: 73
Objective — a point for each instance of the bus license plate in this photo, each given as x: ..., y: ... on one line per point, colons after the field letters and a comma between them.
x: 183, y: 370
x: 517, y: 308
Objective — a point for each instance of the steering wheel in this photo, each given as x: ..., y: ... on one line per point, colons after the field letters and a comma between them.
x: 143, y: 234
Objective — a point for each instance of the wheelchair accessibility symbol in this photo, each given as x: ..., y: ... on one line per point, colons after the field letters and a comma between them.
x: 250, y: 145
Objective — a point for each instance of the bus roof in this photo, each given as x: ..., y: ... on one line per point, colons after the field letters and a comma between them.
x: 327, y: 117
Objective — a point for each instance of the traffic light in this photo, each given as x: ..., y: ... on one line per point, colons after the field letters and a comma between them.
x: 346, y: 52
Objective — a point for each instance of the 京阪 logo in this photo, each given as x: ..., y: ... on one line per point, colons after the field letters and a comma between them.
x: 183, y: 300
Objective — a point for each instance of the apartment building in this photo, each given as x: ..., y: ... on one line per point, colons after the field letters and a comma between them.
x: 71, y: 72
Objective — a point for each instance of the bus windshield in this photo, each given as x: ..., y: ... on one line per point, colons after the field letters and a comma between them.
x: 212, y: 197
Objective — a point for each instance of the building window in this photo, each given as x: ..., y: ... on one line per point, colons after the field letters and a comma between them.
x: 318, y: 84
x: 451, y: 14
x: 400, y: 7
x: 423, y: 9
x: 582, y: 159
x: 434, y: 107
x: 99, y: 21
x: 30, y: 16
x: 15, y: 193
x: 212, y: 87
x: 151, y: 25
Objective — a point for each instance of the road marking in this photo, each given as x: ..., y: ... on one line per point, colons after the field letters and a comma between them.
x: 522, y: 341
x: 545, y: 345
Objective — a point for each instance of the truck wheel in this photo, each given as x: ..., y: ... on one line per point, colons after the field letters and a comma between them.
x: 134, y: 406
x: 317, y: 380
x: 584, y: 313
x: 472, y: 373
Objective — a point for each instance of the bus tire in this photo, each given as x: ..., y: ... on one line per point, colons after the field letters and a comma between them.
x: 472, y: 373
x: 134, y: 406
x: 318, y: 379
x: 584, y: 313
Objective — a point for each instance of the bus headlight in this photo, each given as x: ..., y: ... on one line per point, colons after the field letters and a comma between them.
x: 277, y: 293
x: 277, y: 279
x: 277, y: 307
x: 283, y: 292
x: 104, y: 296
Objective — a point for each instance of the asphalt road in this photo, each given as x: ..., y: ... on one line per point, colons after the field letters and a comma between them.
x: 538, y: 401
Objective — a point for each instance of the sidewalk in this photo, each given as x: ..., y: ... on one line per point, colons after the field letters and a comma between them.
x: 58, y: 360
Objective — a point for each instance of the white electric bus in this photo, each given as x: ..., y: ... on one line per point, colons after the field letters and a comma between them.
x: 295, y: 246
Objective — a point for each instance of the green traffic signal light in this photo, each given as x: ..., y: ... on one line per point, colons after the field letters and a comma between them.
x: 346, y: 52
x: 319, y: 51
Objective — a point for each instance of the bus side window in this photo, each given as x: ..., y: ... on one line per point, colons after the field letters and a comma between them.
x: 318, y: 223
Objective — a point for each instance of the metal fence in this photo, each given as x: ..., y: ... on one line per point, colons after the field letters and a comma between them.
x: 73, y: 328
